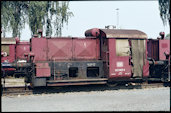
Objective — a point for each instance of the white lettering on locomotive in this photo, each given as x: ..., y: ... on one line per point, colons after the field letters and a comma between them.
x: 120, y: 73
x: 91, y: 64
x: 127, y: 73
x: 113, y: 74
x: 119, y: 70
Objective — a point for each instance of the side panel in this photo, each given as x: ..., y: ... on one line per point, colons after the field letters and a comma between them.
x: 146, y: 63
x: 21, y: 48
x: 39, y: 48
x: 10, y: 50
x: 42, y: 70
x: 138, y: 56
x: 153, y: 49
x: 36, y: 82
x: 86, y: 49
x: 164, y: 46
x: 61, y: 69
x: 119, y: 67
x: 60, y: 48
x: 105, y: 56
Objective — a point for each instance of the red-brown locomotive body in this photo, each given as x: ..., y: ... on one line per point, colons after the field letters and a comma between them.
x: 103, y: 56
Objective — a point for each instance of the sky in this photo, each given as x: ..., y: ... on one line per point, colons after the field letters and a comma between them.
x: 139, y: 15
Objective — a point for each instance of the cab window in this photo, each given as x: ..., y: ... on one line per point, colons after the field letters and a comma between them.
x: 122, y: 47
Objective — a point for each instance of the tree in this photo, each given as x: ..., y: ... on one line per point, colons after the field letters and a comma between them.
x: 38, y: 14
x: 12, y: 17
x: 164, y: 7
x: 167, y: 36
x: 4, y: 17
x: 48, y: 13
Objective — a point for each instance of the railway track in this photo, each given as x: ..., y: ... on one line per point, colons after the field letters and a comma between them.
x: 17, y: 90
x: 22, y: 90
x: 151, y: 85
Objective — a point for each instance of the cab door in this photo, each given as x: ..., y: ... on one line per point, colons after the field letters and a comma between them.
x: 119, y: 59
x: 138, y: 57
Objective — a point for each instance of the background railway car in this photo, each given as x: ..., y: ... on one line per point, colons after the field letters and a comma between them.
x: 159, y: 57
x: 7, y: 55
x: 22, y: 47
x: 8, y: 49
x: 12, y: 52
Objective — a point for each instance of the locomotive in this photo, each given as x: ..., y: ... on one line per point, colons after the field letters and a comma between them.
x: 103, y: 56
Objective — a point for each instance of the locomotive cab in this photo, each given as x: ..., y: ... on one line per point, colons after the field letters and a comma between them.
x: 123, y: 52
x: 127, y: 54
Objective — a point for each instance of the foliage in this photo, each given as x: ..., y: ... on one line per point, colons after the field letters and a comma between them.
x: 38, y: 14
x: 164, y: 7
x: 12, y: 16
x: 168, y: 36
x: 56, y: 13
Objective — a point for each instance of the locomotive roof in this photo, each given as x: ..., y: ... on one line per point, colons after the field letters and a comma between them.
x: 8, y: 41
x: 124, y: 33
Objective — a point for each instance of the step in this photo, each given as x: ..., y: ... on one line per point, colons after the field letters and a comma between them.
x: 76, y: 82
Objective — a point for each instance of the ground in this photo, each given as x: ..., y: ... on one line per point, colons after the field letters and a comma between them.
x: 148, y: 99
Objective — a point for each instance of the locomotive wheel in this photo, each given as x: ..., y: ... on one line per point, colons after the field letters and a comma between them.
x: 166, y: 84
x: 31, y: 86
x: 113, y: 84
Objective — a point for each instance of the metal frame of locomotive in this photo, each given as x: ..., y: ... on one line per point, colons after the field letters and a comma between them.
x: 103, y: 56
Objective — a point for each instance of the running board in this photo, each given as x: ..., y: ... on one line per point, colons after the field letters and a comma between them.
x: 76, y: 82
x: 154, y: 79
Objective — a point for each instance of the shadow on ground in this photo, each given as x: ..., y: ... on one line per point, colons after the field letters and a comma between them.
x: 83, y: 88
